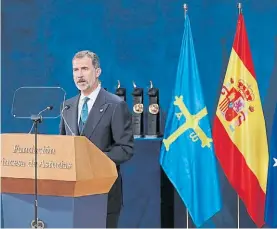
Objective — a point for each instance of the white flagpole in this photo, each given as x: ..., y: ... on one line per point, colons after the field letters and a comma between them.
x: 240, y: 11
x: 187, y: 218
x: 238, y: 210
x: 187, y: 213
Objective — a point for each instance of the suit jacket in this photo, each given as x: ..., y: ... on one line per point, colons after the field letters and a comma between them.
x: 109, y: 127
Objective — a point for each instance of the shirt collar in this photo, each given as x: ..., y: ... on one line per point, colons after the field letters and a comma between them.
x: 92, y: 96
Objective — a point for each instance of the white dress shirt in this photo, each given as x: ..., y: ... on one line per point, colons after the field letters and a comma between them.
x: 92, y: 97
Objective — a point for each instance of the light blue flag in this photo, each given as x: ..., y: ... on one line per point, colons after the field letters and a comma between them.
x: 271, y: 191
x: 187, y: 153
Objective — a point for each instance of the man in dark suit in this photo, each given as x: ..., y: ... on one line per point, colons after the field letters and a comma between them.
x: 103, y: 118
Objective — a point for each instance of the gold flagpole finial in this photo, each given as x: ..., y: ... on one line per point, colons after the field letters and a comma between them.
x: 240, y: 7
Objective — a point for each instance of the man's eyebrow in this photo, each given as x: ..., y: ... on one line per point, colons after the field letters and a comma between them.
x: 80, y: 67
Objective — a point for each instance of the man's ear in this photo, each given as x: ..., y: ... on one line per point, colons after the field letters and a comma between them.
x: 98, y: 72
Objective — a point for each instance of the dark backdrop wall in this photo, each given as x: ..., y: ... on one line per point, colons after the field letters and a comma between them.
x: 136, y: 40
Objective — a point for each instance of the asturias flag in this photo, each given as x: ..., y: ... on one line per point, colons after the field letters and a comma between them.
x: 239, y: 131
x: 187, y: 153
x: 271, y: 193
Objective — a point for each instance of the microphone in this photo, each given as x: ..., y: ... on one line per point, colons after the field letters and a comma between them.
x: 38, y: 116
x: 66, y: 107
x: 49, y: 108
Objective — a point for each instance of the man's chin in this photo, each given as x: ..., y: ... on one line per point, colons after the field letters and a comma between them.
x: 83, y: 88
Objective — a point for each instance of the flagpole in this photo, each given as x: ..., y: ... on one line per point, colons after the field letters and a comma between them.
x: 238, y: 209
x: 187, y: 213
x: 240, y: 8
x: 185, y: 9
x: 240, y: 11
x: 187, y: 218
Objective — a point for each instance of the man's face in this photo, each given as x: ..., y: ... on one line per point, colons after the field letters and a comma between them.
x: 84, y: 74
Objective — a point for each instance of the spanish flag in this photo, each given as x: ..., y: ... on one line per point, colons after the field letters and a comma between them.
x: 239, y: 130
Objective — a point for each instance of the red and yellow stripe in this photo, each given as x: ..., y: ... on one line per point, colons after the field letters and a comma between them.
x: 242, y: 149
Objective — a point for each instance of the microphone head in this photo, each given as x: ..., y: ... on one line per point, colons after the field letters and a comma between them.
x: 50, y: 108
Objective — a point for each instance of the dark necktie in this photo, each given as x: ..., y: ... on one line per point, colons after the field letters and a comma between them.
x: 84, y: 114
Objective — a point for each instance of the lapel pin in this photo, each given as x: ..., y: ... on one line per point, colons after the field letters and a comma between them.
x: 101, y: 110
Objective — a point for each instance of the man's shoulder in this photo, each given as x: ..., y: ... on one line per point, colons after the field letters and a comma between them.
x: 112, y: 98
x: 109, y: 97
x: 71, y: 100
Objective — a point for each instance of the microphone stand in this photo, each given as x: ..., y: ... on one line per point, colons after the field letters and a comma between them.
x: 36, y: 119
x: 36, y: 223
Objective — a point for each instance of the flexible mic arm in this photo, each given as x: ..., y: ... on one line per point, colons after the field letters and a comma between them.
x: 65, y: 122
x: 39, y: 117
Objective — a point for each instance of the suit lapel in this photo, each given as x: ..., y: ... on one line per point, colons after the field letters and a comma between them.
x: 73, y: 115
x: 96, y: 113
